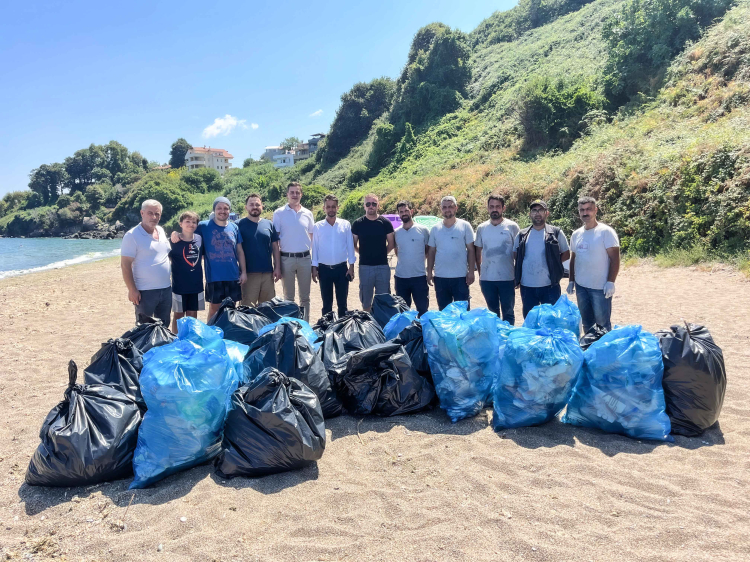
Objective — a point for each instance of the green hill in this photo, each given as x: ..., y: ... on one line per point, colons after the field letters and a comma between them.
x: 641, y: 103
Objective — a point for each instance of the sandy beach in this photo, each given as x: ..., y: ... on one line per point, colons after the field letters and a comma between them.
x: 412, y: 488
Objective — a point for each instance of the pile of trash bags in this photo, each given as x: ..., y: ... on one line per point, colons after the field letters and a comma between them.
x: 304, y: 327
x: 286, y: 348
x: 275, y: 424
x: 382, y: 381
x: 620, y: 387
x: 385, y: 306
x: 87, y: 438
x: 462, y: 351
x: 694, y: 378
x: 398, y: 322
x: 239, y: 323
x: 539, y: 369
x: 563, y: 314
x: 354, y: 331
x: 147, y: 333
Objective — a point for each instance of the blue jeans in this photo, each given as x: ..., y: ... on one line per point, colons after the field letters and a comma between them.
x: 500, y: 295
x: 534, y: 296
x: 450, y: 289
x: 416, y: 287
x: 595, y: 309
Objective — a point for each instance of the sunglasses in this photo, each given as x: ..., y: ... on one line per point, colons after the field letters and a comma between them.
x: 371, y: 204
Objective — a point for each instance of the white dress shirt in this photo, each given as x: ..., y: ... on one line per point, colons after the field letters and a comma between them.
x: 332, y: 244
x: 294, y: 228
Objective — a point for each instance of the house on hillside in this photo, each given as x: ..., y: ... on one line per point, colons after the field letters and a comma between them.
x: 302, y: 151
x: 207, y: 157
x: 272, y: 151
x: 283, y: 160
x: 313, y: 142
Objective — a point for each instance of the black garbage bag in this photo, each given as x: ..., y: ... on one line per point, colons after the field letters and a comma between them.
x: 694, y: 378
x: 239, y: 323
x: 277, y: 308
x: 275, y: 424
x: 285, y: 348
x: 595, y: 332
x: 117, y: 364
x: 411, y: 338
x: 149, y: 332
x: 381, y: 380
x: 354, y: 331
x: 384, y: 306
x: 324, y: 322
x: 87, y: 438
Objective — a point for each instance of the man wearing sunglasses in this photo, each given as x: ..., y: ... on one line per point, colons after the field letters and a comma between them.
x: 373, y: 239
x: 539, y: 251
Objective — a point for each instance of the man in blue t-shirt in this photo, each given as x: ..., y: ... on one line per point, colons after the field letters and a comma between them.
x: 260, y: 243
x: 223, y: 257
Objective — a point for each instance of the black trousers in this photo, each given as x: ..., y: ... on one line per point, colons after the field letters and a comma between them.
x: 331, y: 277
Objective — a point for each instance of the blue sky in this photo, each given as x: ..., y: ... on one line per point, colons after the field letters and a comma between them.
x: 146, y: 73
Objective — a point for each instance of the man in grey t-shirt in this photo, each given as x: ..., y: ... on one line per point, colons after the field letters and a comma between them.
x: 494, y: 251
x: 411, y: 249
x: 539, y: 251
x: 451, y: 254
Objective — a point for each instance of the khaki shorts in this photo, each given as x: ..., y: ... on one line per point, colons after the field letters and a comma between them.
x: 258, y: 288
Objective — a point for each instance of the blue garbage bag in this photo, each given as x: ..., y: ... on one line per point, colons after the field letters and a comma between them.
x: 462, y: 348
x: 211, y: 337
x: 620, y: 387
x: 187, y: 389
x: 305, y: 329
x: 538, y: 372
x: 562, y: 314
x: 398, y: 322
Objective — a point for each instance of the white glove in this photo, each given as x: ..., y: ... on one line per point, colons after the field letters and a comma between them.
x: 571, y: 288
x: 609, y: 289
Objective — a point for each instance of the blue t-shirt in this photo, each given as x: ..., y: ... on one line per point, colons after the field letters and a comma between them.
x: 257, y: 241
x: 187, y: 271
x: 220, y: 250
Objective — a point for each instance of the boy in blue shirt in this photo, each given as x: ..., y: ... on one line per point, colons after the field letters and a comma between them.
x: 223, y: 257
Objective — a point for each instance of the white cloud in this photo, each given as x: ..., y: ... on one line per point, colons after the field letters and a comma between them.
x: 223, y: 126
x: 253, y: 126
x: 317, y: 113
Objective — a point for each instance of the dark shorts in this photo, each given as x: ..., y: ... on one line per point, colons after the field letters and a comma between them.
x: 217, y: 291
x: 183, y: 303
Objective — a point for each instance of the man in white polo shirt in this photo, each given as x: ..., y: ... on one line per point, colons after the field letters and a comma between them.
x: 295, y: 224
x: 333, y: 257
x: 144, y: 260
x: 594, y: 265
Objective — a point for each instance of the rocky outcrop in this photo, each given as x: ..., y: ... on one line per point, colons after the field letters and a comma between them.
x: 93, y: 229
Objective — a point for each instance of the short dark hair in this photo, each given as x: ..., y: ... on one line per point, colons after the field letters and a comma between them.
x: 404, y: 203
x: 496, y: 198
x: 251, y: 196
x: 189, y: 215
x: 331, y: 197
x: 586, y: 199
x: 293, y: 184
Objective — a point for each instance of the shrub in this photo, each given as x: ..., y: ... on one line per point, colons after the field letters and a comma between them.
x: 202, y: 180
x: 95, y: 197
x: 63, y: 201
x: 356, y: 175
x: 351, y: 208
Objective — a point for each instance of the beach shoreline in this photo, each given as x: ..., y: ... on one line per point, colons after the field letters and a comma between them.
x: 408, y: 488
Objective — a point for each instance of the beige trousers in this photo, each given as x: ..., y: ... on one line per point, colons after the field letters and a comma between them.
x: 258, y: 288
x: 301, y: 270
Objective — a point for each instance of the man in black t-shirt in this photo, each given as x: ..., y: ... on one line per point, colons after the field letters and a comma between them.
x: 373, y: 239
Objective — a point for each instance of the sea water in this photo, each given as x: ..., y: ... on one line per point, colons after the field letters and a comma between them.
x: 19, y: 256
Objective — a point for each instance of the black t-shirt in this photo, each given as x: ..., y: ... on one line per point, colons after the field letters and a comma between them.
x: 257, y: 238
x: 187, y: 270
x: 372, y: 240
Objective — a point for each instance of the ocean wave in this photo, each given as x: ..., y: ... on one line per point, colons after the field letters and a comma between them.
x: 91, y: 256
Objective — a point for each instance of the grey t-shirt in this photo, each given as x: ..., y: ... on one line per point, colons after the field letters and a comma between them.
x: 410, y: 245
x: 450, y: 246
x: 497, y: 243
x: 535, y: 272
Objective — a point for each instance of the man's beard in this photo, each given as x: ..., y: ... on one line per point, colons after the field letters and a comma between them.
x: 255, y: 213
x: 495, y: 215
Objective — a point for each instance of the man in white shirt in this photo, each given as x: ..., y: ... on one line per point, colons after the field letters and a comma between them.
x: 144, y: 260
x: 333, y: 257
x: 594, y: 265
x: 494, y: 251
x: 411, y: 249
x: 295, y: 224
x: 451, y: 254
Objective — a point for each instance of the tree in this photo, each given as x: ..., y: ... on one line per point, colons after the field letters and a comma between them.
x: 249, y: 162
x: 290, y: 143
x: 81, y: 165
x: 48, y: 180
x: 94, y: 196
x: 138, y: 160
x: 177, y: 153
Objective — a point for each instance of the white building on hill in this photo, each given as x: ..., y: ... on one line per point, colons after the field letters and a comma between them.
x: 272, y: 151
x: 207, y: 157
x: 283, y: 160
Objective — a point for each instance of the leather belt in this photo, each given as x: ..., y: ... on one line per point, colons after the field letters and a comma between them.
x: 296, y: 254
x: 343, y: 263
